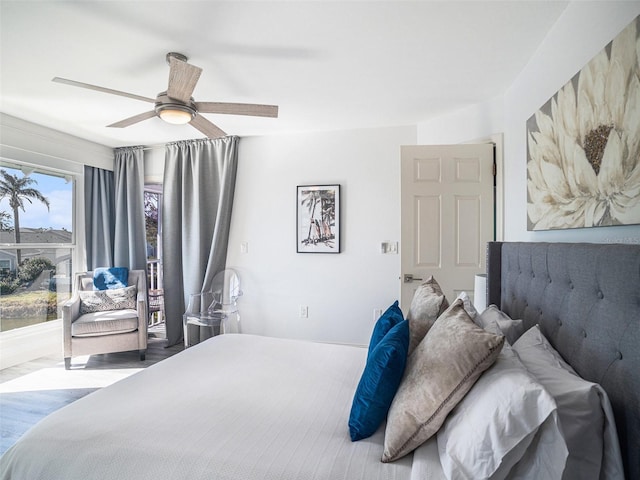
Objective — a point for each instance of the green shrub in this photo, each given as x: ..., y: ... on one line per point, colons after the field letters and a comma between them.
x: 7, y: 287
x: 33, y: 267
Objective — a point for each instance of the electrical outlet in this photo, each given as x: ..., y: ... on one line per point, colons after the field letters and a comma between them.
x: 304, y: 311
x: 377, y: 313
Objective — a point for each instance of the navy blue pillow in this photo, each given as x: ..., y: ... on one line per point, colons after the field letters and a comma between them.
x: 106, y: 278
x: 379, y: 382
x: 389, y: 319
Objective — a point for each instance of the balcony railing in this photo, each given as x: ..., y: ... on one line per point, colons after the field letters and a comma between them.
x: 156, y: 292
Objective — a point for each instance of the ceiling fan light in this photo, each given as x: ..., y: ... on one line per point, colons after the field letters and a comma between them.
x: 175, y: 116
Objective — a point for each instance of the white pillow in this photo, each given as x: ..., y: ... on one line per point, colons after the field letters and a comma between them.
x: 511, y: 329
x: 468, y: 305
x: 580, y: 409
x: 426, y: 462
x: 497, y: 421
x: 534, y: 464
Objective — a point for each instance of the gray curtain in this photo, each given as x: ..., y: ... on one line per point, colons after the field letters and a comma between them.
x: 130, y: 239
x: 198, y: 187
x: 99, y: 216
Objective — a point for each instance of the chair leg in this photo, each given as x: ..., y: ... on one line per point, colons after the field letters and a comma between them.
x: 67, y: 363
x: 142, y: 355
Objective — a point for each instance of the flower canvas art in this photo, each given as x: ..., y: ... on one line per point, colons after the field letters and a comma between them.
x: 583, y: 145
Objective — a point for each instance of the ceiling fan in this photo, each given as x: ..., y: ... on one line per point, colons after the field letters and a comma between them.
x: 176, y: 105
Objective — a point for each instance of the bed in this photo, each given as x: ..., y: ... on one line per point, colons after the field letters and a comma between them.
x: 243, y: 407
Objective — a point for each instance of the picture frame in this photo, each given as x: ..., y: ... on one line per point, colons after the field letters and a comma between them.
x: 582, y: 144
x: 318, y: 218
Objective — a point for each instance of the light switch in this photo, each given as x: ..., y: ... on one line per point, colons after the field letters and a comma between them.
x: 244, y: 247
x: 389, y: 247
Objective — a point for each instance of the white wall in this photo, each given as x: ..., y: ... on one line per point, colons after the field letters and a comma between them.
x: 470, y: 123
x: 341, y: 290
x: 37, y: 145
x: 154, y: 165
x: 582, y: 30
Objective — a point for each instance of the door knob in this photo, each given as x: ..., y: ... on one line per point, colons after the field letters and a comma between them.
x: 408, y: 278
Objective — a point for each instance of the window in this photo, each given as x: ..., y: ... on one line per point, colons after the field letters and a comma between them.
x: 36, y: 244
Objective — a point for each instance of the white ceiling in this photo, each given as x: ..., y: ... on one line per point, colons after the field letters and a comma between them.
x: 329, y: 65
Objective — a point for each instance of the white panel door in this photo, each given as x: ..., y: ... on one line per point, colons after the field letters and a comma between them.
x: 447, y: 216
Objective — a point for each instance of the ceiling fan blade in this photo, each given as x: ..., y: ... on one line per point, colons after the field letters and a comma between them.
x: 252, y: 109
x: 73, y: 83
x: 206, y: 127
x: 182, y: 79
x: 135, y: 119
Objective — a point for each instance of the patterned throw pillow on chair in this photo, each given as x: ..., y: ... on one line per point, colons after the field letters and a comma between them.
x: 103, y: 300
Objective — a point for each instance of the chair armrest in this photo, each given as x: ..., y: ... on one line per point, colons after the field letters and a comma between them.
x: 70, y: 313
x: 142, y: 309
x: 71, y: 310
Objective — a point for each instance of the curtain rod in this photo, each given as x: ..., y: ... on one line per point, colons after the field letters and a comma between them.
x: 163, y: 145
x: 154, y: 147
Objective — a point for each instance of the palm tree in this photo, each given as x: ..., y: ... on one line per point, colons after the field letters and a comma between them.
x: 310, y: 198
x: 17, y: 190
x: 327, y: 201
x: 4, y: 220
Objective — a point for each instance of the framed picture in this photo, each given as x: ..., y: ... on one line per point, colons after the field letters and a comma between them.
x: 583, y: 144
x: 318, y: 219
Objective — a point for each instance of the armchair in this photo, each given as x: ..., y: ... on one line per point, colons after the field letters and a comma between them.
x: 105, y: 330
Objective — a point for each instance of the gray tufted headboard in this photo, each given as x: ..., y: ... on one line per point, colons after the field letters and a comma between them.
x: 586, y: 298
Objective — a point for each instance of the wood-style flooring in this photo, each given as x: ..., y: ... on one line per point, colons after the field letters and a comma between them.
x: 32, y: 390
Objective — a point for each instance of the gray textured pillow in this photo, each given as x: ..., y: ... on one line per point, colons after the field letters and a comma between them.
x: 468, y: 305
x: 102, y: 300
x: 427, y: 305
x: 443, y: 368
x: 510, y: 328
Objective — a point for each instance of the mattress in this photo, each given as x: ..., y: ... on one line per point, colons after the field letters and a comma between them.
x: 236, y: 407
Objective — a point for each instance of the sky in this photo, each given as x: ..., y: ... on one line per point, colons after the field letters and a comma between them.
x: 60, y: 196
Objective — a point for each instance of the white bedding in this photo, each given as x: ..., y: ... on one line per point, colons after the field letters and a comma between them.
x: 236, y: 407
